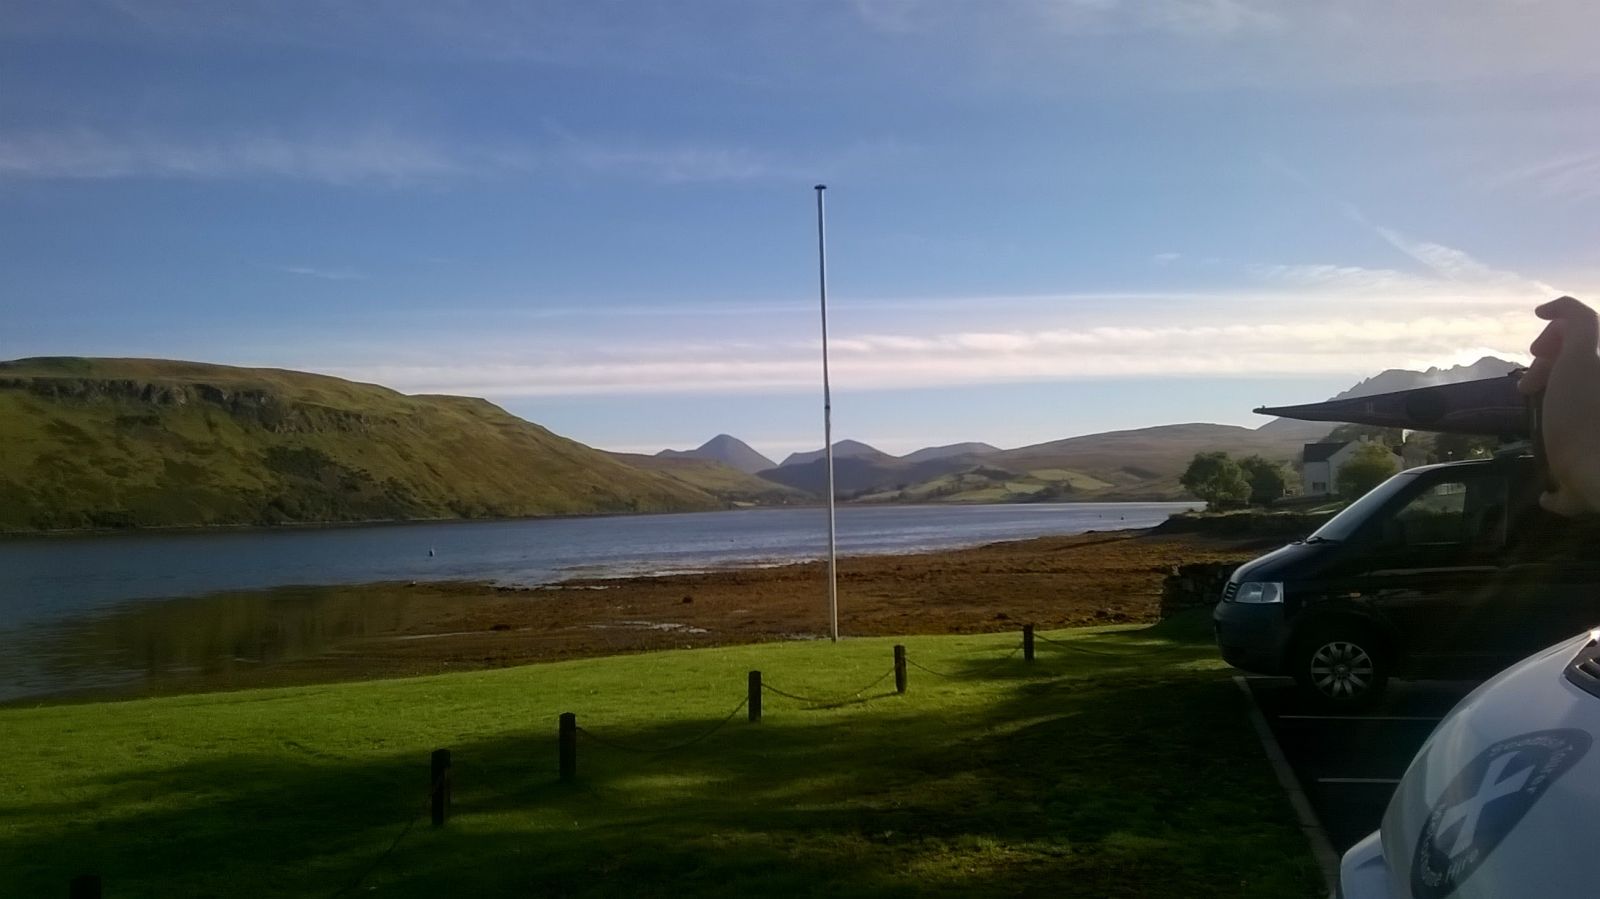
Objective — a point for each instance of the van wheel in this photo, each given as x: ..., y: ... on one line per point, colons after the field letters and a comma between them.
x: 1342, y: 667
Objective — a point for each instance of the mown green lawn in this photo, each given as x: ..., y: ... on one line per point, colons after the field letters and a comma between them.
x: 1128, y: 769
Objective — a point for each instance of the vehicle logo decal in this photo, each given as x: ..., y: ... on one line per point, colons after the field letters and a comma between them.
x: 1485, y: 803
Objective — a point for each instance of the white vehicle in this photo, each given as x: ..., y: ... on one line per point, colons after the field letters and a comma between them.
x: 1503, y: 800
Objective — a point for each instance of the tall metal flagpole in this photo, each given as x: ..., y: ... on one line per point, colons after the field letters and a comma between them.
x: 827, y: 419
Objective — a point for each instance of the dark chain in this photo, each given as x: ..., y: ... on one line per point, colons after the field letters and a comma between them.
x: 825, y: 703
x: 1074, y: 646
x: 979, y: 673
x: 394, y: 844
x: 641, y: 750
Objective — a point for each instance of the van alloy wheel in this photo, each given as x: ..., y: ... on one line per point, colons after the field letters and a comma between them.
x: 1342, y: 670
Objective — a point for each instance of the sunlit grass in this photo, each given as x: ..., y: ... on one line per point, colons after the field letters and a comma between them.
x: 1131, y: 773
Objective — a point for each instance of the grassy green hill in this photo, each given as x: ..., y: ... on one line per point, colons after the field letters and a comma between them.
x: 143, y: 443
x: 986, y: 484
x: 722, y: 481
x: 1144, y: 463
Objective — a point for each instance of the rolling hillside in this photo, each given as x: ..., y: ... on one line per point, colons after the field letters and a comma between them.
x: 722, y: 481
x: 930, y: 453
x: 1147, y: 459
x: 864, y: 473
x: 1136, y: 464
x: 141, y: 443
x: 842, y: 449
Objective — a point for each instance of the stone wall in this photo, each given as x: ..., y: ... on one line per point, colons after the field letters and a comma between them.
x: 1194, y: 586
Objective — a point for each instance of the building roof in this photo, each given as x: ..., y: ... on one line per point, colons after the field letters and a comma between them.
x: 1322, y: 452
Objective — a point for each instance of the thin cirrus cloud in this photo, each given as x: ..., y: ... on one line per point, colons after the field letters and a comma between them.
x: 323, y: 274
x: 1570, y: 177
x: 1313, y: 345
x: 682, y: 164
x: 388, y: 159
x: 89, y: 154
x: 1287, y: 320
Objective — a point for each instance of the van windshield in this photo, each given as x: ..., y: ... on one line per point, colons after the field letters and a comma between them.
x: 1343, y: 526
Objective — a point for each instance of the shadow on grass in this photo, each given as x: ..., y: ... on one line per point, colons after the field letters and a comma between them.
x: 1116, y: 785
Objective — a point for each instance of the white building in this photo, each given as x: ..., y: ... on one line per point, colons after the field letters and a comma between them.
x: 1320, y: 464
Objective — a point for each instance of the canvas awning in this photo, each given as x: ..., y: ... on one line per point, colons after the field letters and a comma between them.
x: 1491, y: 407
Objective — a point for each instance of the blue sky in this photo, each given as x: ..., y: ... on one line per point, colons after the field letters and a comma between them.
x: 1047, y: 217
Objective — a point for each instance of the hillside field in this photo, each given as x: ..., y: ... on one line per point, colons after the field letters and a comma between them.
x: 722, y: 481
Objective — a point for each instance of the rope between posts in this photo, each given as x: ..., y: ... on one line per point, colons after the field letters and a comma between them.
x: 641, y: 750
x: 1072, y: 645
x: 427, y: 803
x: 980, y: 672
x: 849, y: 698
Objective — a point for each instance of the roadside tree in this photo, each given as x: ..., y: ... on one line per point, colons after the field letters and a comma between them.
x: 1216, y: 479
x: 1266, y: 479
x: 1368, y: 467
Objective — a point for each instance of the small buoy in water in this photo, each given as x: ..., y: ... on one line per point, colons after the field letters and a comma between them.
x: 430, y: 552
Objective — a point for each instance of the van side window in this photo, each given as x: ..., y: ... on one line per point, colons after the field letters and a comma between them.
x: 1469, y: 513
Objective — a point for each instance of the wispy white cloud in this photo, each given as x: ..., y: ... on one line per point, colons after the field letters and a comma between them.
x: 340, y: 159
x: 1569, y: 177
x: 1322, y: 342
x: 1458, y: 266
x: 892, y: 16
x: 690, y: 162
x: 681, y: 164
x: 1197, y: 18
x: 386, y: 158
x: 325, y: 274
x: 1347, y: 279
x: 1298, y: 320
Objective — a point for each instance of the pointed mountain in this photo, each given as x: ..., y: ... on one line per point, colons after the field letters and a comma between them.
x: 842, y: 449
x: 944, y: 452
x: 730, y: 451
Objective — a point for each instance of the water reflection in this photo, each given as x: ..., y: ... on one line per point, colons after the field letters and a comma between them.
x: 208, y: 635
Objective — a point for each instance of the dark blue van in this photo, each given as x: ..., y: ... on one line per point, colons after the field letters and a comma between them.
x: 1448, y: 570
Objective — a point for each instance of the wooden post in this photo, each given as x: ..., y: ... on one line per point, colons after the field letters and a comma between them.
x: 754, y: 702
x: 899, y: 668
x: 440, y: 778
x: 568, y: 738
x: 1027, y: 643
x: 84, y: 886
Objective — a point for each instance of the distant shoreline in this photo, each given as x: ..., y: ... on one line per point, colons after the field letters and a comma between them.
x: 164, y: 530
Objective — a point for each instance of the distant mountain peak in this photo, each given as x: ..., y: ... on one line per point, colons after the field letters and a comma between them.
x: 727, y: 449
x: 949, y: 450
x: 842, y: 449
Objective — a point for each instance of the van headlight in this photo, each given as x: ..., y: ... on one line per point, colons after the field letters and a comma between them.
x: 1259, y: 592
